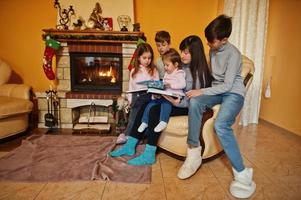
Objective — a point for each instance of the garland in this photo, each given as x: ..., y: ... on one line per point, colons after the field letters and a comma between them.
x: 92, y: 37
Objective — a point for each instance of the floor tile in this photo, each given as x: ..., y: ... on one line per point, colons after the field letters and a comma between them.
x: 22, y: 191
x: 84, y: 190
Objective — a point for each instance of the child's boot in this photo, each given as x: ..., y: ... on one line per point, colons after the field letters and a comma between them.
x: 160, y: 127
x: 128, y: 149
x: 192, y: 162
x: 243, y: 186
x: 142, y: 127
x: 148, y: 157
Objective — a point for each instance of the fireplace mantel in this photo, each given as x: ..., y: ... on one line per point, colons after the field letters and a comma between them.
x: 93, y: 36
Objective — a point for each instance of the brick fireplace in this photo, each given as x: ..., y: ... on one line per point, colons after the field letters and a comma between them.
x: 94, y: 44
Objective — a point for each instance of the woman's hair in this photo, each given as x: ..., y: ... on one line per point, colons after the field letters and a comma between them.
x: 219, y: 28
x: 198, y: 66
x: 142, y: 48
x: 173, y: 56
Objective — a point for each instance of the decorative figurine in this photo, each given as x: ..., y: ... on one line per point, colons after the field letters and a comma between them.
x: 64, y: 15
x: 96, y: 20
x: 124, y: 21
x: 136, y: 27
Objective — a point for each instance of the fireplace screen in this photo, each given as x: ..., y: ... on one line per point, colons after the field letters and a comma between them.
x: 96, y: 72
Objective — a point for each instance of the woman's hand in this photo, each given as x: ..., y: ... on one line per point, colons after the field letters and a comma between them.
x: 173, y: 101
x: 194, y: 93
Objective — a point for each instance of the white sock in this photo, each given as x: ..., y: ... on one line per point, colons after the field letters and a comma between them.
x: 160, y: 127
x: 142, y: 127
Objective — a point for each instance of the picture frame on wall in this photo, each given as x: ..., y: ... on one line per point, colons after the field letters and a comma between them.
x: 108, y: 23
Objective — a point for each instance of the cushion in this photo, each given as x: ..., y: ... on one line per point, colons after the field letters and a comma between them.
x: 12, y: 106
x: 5, y: 72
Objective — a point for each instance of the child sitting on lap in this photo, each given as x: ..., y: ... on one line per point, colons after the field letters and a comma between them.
x: 174, y: 80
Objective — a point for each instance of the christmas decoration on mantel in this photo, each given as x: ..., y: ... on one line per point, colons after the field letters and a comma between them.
x: 92, y: 35
x: 51, y: 46
x: 64, y: 15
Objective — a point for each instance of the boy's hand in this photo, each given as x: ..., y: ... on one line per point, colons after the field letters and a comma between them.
x: 194, y: 93
x: 172, y: 100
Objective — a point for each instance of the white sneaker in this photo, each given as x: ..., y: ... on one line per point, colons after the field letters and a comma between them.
x: 142, y: 127
x: 192, y: 163
x: 243, y: 186
x: 160, y: 127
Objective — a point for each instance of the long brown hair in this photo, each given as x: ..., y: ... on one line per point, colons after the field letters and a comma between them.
x: 142, y: 48
x: 198, y: 66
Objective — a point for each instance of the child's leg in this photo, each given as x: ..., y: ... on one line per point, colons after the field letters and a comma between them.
x: 138, y: 102
x: 145, y: 116
x: 243, y: 185
x: 164, y: 116
x: 230, y: 107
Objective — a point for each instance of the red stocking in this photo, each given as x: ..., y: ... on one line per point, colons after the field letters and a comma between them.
x: 47, y: 62
x: 51, y: 46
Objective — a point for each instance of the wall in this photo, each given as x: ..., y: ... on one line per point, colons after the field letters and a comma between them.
x: 22, y: 23
x: 180, y: 18
x: 283, y: 65
x: 22, y: 46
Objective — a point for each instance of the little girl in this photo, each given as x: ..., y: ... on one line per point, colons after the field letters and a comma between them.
x: 143, y: 70
x: 174, y: 81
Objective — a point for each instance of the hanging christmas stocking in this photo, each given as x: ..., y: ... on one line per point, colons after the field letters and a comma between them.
x: 132, y: 62
x: 51, y: 46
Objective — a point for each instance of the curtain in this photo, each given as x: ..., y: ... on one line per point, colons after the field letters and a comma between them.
x: 249, y: 30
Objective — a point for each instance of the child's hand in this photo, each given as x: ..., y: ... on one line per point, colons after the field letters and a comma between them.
x: 172, y: 100
x: 156, y: 96
x: 167, y: 85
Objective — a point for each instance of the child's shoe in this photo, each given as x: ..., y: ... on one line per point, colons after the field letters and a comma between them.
x: 121, y: 139
x: 243, y: 186
x: 160, y: 127
x: 142, y: 127
x: 128, y: 149
x: 148, y: 157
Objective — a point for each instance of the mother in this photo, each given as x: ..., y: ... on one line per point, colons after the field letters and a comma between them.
x: 197, y: 76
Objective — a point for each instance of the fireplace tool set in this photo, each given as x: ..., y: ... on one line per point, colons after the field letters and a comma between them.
x: 52, y: 115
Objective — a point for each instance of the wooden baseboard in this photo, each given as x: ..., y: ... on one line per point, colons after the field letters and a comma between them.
x: 278, y: 127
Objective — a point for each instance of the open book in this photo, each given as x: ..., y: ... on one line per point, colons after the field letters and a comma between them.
x: 153, y: 84
x: 164, y: 92
x: 158, y: 91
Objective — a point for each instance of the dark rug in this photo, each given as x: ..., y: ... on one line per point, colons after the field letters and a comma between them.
x: 69, y: 158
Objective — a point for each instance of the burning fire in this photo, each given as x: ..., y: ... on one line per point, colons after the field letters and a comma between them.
x: 108, y: 74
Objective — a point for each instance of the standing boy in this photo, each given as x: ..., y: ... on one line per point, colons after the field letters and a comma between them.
x: 228, y: 90
x: 162, y: 40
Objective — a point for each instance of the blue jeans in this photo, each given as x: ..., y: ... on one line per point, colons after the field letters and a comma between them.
x: 231, y: 104
x: 139, y: 100
x: 164, y: 112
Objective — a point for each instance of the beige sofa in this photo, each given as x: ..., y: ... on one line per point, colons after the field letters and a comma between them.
x: 15, y: 104
x: 174, y: 137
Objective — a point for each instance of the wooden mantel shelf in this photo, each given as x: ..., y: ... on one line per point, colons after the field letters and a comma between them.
x: 93, y: 36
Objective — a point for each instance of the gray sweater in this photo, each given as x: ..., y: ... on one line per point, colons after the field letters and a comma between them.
x: 226, y: 64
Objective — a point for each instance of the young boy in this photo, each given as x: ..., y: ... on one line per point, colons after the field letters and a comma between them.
x: 228, y: 90
x: 162, y: 40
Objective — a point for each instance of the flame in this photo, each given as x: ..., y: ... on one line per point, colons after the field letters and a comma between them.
x: 108, y: 73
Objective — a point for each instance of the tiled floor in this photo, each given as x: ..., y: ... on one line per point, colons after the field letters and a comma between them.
x: 273, y: 153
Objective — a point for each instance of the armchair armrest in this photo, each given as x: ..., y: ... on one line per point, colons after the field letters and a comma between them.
x: 21, y: 91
